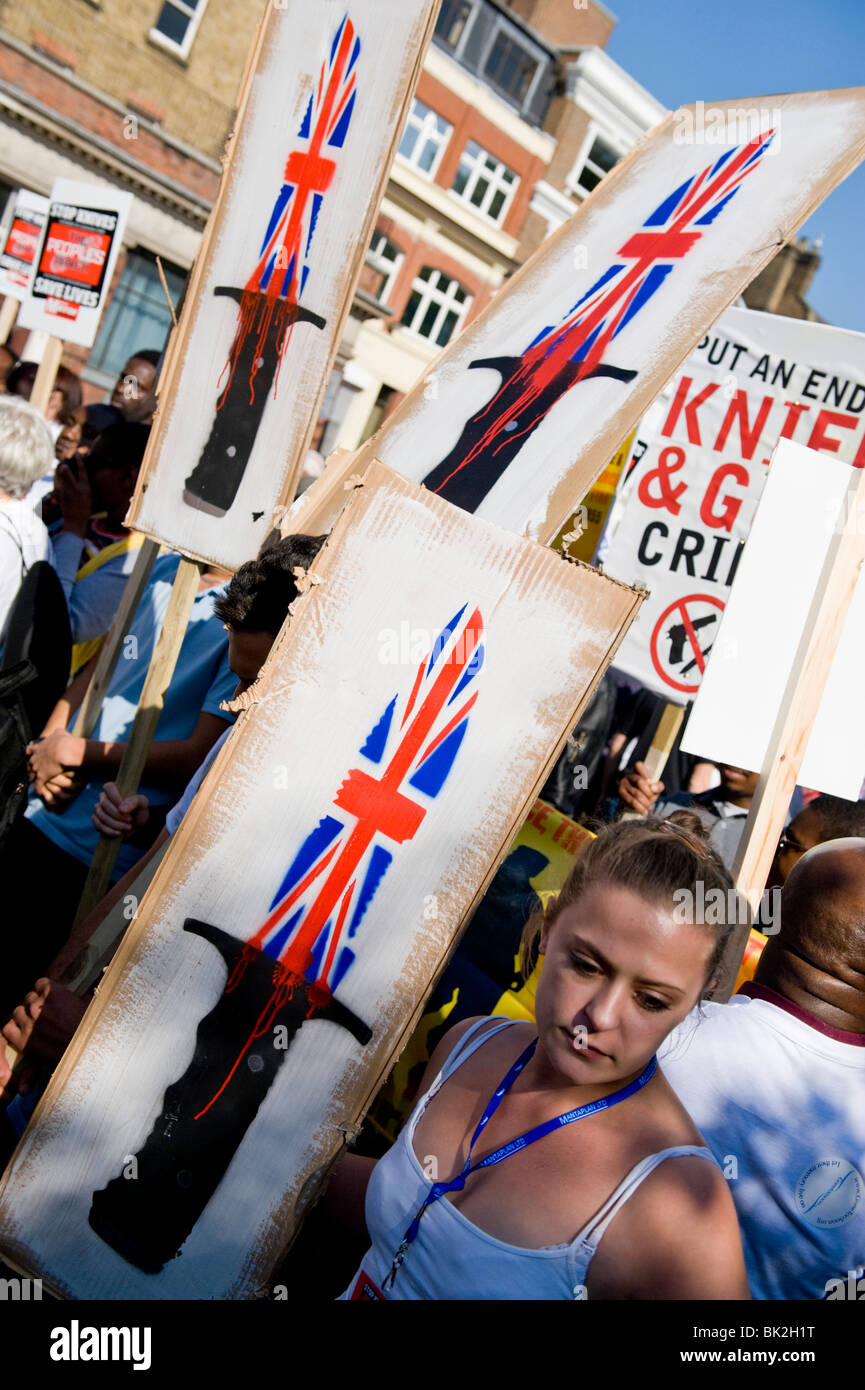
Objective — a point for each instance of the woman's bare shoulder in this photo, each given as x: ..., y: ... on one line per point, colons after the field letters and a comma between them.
x: 451, y: 1040
x: 677, y: 1237
x: 673, y: 1118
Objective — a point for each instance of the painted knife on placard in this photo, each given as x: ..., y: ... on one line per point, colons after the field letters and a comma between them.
x: 268, y: 304
x: 288, y: 971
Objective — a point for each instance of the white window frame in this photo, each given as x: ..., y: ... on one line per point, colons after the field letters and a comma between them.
x: 180, y: 50
x: 460, y: 44
x: 445, y: 299
x: 494, y: 178
x: 595, y: 132
x: 389, y: 268
x: 432, y: 133
x: 517, y: 36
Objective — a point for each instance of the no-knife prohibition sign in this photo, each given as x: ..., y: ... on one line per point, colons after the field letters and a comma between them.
x: 682, y: 639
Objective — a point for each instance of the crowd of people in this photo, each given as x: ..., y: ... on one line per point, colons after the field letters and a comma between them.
x: 630, y: 1140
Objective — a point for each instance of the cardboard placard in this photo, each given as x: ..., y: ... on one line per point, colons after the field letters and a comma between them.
x: 78, y: 251
x: 520, y: 414
x: 21, y: 243
x: 284, y: 950
x: 318, y: 122
x: 701, y: 459
x: 737, y: 706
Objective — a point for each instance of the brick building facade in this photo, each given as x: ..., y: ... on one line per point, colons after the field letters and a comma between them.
x: 517, y: 115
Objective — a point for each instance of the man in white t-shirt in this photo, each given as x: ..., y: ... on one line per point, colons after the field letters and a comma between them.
x: 26, y: 452
x: 776, y: 1082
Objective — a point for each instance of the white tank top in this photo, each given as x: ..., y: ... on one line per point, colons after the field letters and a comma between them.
x: 453, y: 1259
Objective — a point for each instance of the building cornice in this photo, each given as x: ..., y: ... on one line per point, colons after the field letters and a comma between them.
x: 172, y: 141
x: 613, y: 98
x: 422, y: 228
x: 457, y: 218
x: 555, y: 207
x: 24, y: 111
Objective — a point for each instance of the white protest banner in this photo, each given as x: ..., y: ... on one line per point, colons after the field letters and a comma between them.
x: 394, y: 742
x: 758, y: 644
x: 21, y: 243
x: 318, y: 121
x: 521, y: 413
x: 700, y: 459
x: 80, y: 244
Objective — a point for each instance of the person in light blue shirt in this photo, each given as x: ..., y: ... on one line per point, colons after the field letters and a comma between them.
x: 46, y: 856
x: 253, y: 607
x: 190, y: 722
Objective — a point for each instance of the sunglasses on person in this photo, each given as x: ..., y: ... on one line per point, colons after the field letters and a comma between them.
x: 787, y: 842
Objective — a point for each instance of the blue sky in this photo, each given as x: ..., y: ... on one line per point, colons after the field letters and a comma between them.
x: 704, y: 51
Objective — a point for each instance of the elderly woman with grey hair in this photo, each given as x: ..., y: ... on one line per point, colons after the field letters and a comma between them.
x: 26, y: 452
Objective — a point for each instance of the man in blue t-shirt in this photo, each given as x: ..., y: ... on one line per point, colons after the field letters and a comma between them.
x: 45, y: 858
x: 253, y: 607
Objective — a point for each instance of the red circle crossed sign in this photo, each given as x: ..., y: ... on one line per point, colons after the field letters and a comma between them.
x: 685, y: 652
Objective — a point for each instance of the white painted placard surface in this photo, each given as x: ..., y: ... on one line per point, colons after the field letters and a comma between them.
x: 503, y: 423
x: 399, y: 565
x: 738, y: 702
x: 21, y: 242
x: 318, y: 124
x: 834, y: 760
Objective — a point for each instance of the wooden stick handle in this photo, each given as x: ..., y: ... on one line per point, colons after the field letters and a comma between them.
x: 156, y: 683
x: 43, y: 382
x: 109, y: 654
x: 8, y: 315
x: 661, y: 747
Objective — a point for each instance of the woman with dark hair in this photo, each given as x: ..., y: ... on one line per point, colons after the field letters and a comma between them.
x: 552, y: 1159
x: 65, y: 398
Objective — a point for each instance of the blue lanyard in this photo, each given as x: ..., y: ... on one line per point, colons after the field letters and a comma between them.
x: 532, y: 1136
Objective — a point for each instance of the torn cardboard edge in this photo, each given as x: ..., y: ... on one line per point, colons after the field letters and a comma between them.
x: 180, y: 338
x: 283, y: 1228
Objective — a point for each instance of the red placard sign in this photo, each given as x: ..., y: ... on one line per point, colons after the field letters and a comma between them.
x: 23, y: 240
x: 21, y: 245
x: 74, y: 257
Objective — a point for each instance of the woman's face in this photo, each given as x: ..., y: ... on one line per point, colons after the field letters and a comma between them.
x: 619, y: 973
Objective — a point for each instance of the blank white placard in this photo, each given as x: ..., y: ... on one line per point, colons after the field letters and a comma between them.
x: 738, y: 701
x: 834, y: 760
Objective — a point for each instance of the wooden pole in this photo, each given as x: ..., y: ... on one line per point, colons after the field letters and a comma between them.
x: 661, y: 747
x: 156, y: 683
x: 109, y: 653
x: 84, y: 970
x: 82, y: 973
x: 796, y: 714
x: 8, y: 315
x: 316, y: 510
x: 43, y: 384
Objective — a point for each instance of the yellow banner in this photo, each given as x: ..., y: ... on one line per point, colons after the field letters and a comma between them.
x: 592, y: 512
